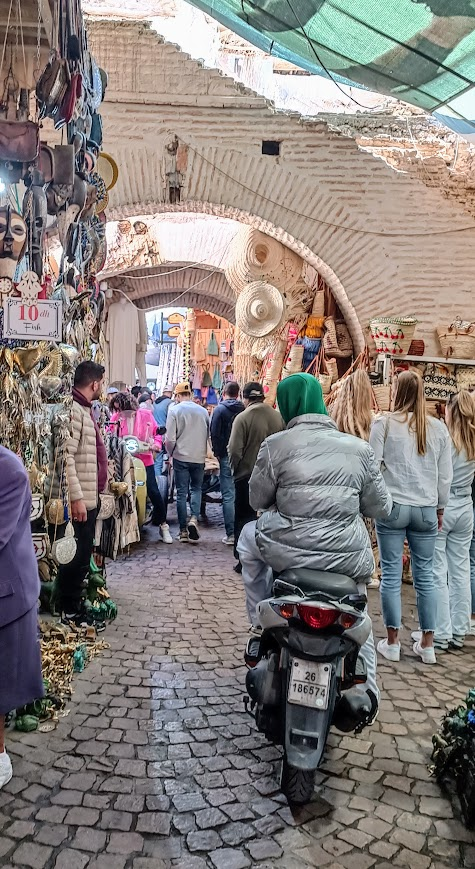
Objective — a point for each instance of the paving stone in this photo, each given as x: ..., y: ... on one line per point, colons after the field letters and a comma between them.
x: 262, y: 849
x: 82, y: 817
x: 125, y: 843
x: 30, y: 854
x: 112, y: 820
x: 69, y: 859
x: 414, y: 861
x: 89, y: 840
x: 203, y: 840
x: 210, y: 818
x: 157, y: 823
x: 229, y: 858
x: 188, y: 802
x: 52, y: 834
x: 435, y: 808
x: 409, y: 839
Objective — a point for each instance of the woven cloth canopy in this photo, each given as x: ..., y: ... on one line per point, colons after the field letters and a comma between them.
x: 421, y: 51
x: 259, y: 309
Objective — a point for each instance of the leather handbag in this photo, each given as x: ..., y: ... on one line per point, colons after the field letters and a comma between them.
x: 19, y: 141
x: 52, y: 86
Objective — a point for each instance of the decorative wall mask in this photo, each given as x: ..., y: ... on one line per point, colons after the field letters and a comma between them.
x: 12, y: 241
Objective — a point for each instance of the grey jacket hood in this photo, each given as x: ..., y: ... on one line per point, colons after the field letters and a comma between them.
x: 314, y: 483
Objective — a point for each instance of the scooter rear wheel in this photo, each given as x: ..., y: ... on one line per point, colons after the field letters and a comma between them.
x: 297, y: 784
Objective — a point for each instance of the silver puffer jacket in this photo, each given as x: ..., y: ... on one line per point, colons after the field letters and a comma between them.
x: 313, y: 482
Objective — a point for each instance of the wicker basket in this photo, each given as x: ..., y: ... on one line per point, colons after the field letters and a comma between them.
x: 325, y: 382
x: 393, y: 335
x: 457, y: 340
x: 318, y: 307
x: 382, y: 395
x: 332, y: 369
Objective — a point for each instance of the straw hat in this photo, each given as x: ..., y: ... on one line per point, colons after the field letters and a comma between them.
x: 259, y: 309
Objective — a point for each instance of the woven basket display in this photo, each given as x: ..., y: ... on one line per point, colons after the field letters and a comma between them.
x: 318, y: 307
x: 457, y: 340
x: 332, y: 369
x: 393, y: 335
x: 255, y: 256
x: 465, y: 377
x: 382, y: 395
x: 325, y: 382
x: 336, y: 340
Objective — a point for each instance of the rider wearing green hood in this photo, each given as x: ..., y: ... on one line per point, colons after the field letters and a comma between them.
x: 298, y: 395
x: 311, y: 484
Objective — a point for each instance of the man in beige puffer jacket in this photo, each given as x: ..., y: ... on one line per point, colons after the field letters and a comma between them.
x: 86, y: 470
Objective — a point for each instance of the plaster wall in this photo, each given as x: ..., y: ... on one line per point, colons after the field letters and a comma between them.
x: 391, y: 243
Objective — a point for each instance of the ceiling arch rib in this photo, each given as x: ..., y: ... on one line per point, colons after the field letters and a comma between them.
x: 196, y: 287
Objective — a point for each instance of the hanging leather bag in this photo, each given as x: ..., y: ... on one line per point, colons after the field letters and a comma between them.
x: 19, y: 141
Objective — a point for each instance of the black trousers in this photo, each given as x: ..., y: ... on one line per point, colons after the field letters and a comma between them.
x: 243, y: 512
x: 159, y: 515
x: 70, y: 578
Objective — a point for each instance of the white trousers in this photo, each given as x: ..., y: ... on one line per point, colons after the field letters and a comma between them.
x: 258, y: 579
x: 452, y: 571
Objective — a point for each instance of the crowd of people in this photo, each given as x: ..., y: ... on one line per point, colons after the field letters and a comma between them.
x: 300, y: 488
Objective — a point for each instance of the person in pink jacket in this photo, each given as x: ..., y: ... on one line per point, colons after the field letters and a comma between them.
x: 140, y: 422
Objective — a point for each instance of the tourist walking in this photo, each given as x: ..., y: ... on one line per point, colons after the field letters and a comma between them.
x: 86, y: 471
x: 312, y: 482
x: 160, y: 410
x: 413, y: 450
x: 20, y: 659
x: 186, y: 442
x: 353, y: 413
x: 452, y: 548
x: 140, y: 422
x: 220, y: 427
x: 249, y: 430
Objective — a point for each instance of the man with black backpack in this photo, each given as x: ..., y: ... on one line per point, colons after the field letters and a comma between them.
x: 221, y: 425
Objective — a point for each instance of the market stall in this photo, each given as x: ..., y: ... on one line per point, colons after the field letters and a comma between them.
x: 53, y: 201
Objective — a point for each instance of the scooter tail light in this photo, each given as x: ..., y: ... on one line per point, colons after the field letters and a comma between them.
x: 317, y: 617
x: 347, y: 620
x: 286, y: 610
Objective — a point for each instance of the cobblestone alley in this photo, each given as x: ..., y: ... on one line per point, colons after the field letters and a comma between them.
x: 157, y: 765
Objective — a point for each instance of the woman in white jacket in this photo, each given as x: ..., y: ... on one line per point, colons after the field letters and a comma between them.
x: 413, y: 451
x: 452, y: 548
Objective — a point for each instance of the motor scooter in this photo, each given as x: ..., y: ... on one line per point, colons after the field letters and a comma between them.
x: 304, y: 669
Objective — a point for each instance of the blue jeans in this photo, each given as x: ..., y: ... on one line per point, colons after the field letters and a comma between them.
x: 159, y: 457
x: 188, y: 475
x: 226, y: 484
x: 419, y: 526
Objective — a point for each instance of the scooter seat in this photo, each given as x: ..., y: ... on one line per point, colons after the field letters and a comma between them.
x: 313, y: 581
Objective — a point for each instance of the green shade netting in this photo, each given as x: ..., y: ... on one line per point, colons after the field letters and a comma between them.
x: 420, y: 52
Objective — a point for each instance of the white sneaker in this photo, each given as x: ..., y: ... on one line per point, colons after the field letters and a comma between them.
x: 427, y: 653
x: 391, y: 651
x: 472, y: 626
x: 165, y: 532
x: 416, y: 636
x: 193, y: 533
x: 6, y: 770
x: 373, y: 583
x: 228, y: 541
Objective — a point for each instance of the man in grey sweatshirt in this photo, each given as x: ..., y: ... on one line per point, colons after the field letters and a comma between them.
x: 186, y: 442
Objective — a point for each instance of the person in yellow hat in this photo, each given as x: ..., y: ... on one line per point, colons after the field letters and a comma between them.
x: 186, y: 443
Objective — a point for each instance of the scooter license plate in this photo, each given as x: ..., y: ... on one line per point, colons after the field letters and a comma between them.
x: 309, y: 684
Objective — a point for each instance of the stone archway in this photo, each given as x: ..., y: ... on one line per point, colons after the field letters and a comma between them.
x: 265, y: 226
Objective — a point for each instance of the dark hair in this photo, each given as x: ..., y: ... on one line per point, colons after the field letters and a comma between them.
x: 126, y: 401
x: 136, y: 391
x: 253, y: 391
x: 88, y: 372
x: 144, y: 397
x: 232, y: 389
x: 114, y: 399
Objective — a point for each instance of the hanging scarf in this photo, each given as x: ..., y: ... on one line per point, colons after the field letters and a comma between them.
x: 101, y: 454
x: 300, y: 394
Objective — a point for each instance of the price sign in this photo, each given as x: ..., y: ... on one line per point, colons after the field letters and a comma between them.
x: 41, y: 320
